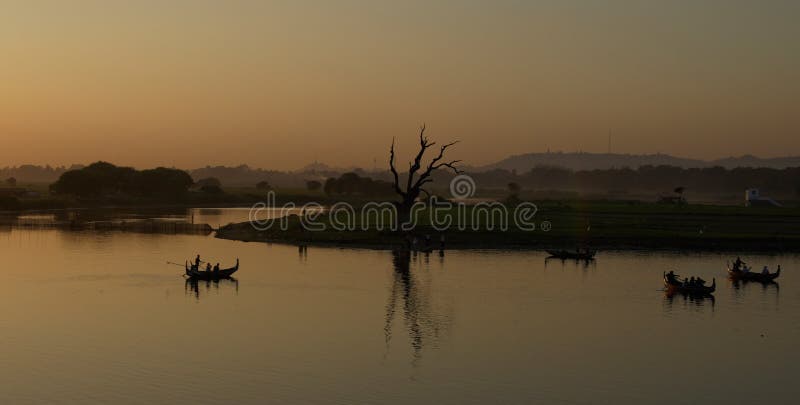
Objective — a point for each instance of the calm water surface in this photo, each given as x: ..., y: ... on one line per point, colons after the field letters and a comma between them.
x: 102, y: 318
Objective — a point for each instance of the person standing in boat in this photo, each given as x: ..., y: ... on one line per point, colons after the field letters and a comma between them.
x: 197, y: 262
x: 208, y: 267
x: 216, y: 268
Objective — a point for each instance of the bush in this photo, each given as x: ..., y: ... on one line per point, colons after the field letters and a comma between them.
x: 102, y: 179
x: 8, y: 203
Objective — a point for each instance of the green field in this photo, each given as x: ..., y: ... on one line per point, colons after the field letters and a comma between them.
x: 599, y: 224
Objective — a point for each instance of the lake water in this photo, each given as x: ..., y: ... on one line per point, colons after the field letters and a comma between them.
x: 100, y: 317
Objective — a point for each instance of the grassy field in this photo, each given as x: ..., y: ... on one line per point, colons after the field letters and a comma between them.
x: 567, y: 224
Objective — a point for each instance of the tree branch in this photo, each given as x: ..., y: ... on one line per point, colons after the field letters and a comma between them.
x: 414, y: 188
x: 394, y: 171
x: 434, y: 165
x: 417, y: 164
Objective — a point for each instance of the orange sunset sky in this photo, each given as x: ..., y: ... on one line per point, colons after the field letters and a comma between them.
x: 278, y: 84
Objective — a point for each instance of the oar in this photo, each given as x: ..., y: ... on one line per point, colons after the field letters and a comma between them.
x: 177, y: 264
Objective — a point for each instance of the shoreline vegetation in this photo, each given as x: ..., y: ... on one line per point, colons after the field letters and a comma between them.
x: 603, y: 225
x: 568, y: 223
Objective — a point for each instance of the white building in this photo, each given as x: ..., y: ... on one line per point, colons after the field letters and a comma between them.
x: 753, y: 198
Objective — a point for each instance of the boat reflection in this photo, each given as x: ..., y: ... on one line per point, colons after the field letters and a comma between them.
x: 582, y: 263
x: 741, y: 288
x: 193, y: 286
x: 765, y: 285
x: 407, y: 294
x: 698, y: 300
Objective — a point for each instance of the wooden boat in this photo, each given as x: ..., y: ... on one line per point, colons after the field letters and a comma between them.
x: 193, y: 272
x: 736, y: 274
x: 673, y: 285
x: 574, y: 255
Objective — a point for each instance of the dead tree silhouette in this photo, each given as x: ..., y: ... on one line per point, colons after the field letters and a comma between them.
x: 418, y: 179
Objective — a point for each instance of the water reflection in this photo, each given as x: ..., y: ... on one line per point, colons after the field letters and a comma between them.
x: 688, y: 300
x: 193, y: 286
x: 581, y: 263
x: 765, y: 285
x: 423, y: 325
x: 140, y: 220
x: 740, y: 289
x: 302, y: 252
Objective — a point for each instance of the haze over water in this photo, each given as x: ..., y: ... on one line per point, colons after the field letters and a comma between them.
x: 100, y: 317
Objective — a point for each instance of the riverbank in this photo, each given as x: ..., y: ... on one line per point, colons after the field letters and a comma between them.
x: 596, y: 224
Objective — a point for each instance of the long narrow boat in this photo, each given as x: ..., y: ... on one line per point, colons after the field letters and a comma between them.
x: 193, y: 272
x: 735, y: 274
x: 673, y: 285
x: 566, y: 254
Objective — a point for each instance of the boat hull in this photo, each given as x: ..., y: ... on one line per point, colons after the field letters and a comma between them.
x: 752, y: 276
x: 677, y: 287
x: 565, y: 254
x: 195, y: 273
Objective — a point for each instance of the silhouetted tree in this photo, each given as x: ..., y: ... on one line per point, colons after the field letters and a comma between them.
x: 263, y: 185
x: 353, y: 184
x: 209, y: 181
x: 416, y: 180
x: 161, y: 182
x: 102, y: 178
x: 211, y: 189
x: 9, y: 203
x: 313, y: 185
x: 11, y: 182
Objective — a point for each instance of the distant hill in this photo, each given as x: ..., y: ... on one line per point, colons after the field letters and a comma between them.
x: 599, y: 161
x: 754, y: 161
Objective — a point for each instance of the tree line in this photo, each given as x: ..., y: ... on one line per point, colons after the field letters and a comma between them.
x: 102, y: 179
x: 658, y: 179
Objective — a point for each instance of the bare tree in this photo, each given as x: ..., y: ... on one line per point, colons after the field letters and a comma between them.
x: 418, y: 176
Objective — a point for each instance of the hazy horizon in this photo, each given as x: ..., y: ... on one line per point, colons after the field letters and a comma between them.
x: 280, y: 85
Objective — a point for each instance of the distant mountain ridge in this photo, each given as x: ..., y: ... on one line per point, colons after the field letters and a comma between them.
x: 601, y: 161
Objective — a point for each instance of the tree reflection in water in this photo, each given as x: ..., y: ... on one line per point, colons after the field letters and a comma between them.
x: 192, y: 286
x: 423, y: 324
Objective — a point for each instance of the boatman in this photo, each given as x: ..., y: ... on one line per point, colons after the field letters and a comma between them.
x: 197, y: 261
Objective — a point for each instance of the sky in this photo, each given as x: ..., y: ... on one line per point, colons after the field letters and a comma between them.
x: 280, y: 84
